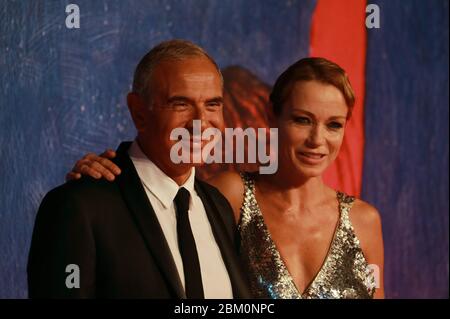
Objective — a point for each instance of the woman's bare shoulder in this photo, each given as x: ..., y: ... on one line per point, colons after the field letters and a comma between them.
x: 366, y: 221
x: 365, y: 215
x: 230, y: 184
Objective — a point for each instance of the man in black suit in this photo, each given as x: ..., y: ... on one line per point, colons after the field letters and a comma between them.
x: 156, y: 231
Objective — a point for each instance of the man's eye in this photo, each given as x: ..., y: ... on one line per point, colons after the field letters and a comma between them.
x: 213, y: 105
x: 335, y: 125
x: 179, y: 105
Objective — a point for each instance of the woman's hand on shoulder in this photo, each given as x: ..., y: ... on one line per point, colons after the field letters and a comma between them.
x: 230, y: 184
x: 96, y: 166
x: 366, y: 221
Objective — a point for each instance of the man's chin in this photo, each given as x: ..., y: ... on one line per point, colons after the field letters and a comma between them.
x: 186, y: 166
x: 197, y: 164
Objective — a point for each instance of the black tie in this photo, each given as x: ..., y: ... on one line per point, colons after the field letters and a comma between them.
x: 188, y: 250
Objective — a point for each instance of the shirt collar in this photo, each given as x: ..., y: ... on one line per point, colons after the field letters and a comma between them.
x: 155, y: 180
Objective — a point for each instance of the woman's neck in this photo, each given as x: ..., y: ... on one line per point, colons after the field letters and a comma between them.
x: 301, y: 195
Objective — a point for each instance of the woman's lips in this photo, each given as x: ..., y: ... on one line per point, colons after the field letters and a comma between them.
x: 311, y: 158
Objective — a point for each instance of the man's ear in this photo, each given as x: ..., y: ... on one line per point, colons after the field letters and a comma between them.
x: 138, y: 110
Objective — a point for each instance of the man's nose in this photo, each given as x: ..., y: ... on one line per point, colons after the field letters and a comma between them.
x: 200, y: 113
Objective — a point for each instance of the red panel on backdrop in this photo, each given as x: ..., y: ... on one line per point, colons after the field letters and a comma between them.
x: 338, y: 33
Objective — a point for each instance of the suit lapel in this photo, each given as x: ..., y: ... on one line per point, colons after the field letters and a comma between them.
x: 229, y: 254
x: 145, y: 217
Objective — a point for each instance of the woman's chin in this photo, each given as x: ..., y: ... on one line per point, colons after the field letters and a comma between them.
x: 309, y: 171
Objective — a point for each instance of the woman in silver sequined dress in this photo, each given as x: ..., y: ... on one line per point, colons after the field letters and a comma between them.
x: 299, y: 237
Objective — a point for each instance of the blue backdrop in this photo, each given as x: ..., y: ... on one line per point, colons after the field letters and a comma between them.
x: 62, y: 94
x: 406, y: 156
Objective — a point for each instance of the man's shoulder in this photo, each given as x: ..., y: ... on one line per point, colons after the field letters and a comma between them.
x: 84, y: 186
x: 83, y: 192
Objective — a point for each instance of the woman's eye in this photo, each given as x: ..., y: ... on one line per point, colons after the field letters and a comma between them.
x: 335, y: 125
x: 302, y: 120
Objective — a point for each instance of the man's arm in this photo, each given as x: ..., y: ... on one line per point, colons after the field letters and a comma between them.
x: 62, y: 244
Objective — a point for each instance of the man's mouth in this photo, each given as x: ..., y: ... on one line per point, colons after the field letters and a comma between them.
x: 196, y: 141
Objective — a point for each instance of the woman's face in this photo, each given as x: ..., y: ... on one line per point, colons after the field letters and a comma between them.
x: 311, y: 128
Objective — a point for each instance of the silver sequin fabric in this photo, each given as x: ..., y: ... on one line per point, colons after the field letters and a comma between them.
x: 344, y: 274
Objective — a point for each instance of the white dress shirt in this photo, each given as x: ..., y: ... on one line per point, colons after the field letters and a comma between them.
x: 161, y: 191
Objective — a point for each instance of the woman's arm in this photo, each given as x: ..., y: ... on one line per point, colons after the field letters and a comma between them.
x: 231, y: 186
x: 366, y: 222
x: 100, y: 166
x: 96, y: 166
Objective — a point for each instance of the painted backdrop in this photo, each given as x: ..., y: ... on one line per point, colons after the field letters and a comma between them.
x: 62, y: 94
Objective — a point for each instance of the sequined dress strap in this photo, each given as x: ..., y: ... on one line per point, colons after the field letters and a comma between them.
x: 344, y: 273
x: 269, y: 276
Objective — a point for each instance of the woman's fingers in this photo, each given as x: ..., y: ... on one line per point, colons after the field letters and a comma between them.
x: 109, y: 165
x: 89, y: 156
x: 71, y: 175
x: 102, y: 169
x: 109, y: 153
x: 86, y: 169
x: 95, y: 166
x: 77, y: 167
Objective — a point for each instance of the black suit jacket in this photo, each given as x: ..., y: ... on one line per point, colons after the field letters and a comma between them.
x: 110, y: 231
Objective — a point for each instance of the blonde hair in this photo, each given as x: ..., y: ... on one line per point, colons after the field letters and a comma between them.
x: 311, y: 69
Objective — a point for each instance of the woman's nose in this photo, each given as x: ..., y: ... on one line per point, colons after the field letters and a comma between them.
x: 316, y: 136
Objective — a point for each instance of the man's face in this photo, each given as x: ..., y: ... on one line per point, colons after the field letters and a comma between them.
x: 179, y: 92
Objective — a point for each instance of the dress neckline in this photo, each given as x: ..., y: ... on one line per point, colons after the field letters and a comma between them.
x: 339, y: 195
